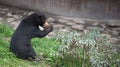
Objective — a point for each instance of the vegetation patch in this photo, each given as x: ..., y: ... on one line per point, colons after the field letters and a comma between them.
x: 7, y: 59
x: 5, y: 30
x: 91, y: 49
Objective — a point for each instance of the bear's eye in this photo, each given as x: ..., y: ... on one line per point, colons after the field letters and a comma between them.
x: 40, y: 16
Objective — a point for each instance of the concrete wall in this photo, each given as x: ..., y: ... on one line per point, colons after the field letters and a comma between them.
x: 92, y: 9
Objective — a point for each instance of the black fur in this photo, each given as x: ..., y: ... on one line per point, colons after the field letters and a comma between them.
x: 28, y: 29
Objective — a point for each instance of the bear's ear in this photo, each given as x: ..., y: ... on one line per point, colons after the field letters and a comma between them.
x: 41, y: 15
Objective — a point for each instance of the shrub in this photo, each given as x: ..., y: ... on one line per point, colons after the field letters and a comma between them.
x: 91, y: 49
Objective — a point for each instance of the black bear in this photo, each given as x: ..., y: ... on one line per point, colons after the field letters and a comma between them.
x: 28, y: 28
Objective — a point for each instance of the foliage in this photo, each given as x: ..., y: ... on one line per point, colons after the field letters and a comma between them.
x: 46, y: 47
x: 8, y: 59
x: 92, y: 49
x: 5, y: 30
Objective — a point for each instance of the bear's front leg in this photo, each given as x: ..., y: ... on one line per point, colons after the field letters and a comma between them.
x: 43, y: 33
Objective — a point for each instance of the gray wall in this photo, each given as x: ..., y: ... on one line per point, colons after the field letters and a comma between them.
x: 92, y: 9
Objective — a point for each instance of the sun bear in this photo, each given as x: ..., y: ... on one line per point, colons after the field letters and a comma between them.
x: 28, y: 28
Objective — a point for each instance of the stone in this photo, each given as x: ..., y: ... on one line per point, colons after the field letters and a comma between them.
x: 63, y: 21
x: 64, y: 30
x: 95, y: 24
x: 51, y: 34
x: 2, y: 12
x: 93, y: 27
x: 61, y: 17
x: 78, y: 20
x: 58, y: 25
x: 1, y: 19
x: 51, y: 19
x: 103, y: 26
x: 14, y: 23
x: 70, y: 23
x: 10, y: 19
x: 24, y: 13
x: 115, y: 32
x: 20, y: 16
x: 90, y: 22
x: 114, y: 40
x: 112, y: 22
x: 9, y: 14
x: 5, y: 9
x: 16, y: 16
x: 90, y: 27
x: 117, y: 28
x: 78, y: 27
x: 86, y: 31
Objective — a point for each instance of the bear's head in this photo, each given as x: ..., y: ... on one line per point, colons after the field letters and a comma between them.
x: 40, y: 19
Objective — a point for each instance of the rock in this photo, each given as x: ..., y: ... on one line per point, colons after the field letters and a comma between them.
x: 113, y: 22
x: 14, y: 23
x: 86, y: 31
x: 2, y: 12
x: 51, y: 34
x: 93, y: 27
x: 59, y: 26
x: 91, y: 22
x: 62, y: 17
x: 64, y: 30
x: 70, y: 23
x: 78, y: 20
x: 63, y: 21
x: 117, y: 28
x: 1, y: 19
x: 5, y: 9
x: 9, y: 14
x: 114, y: 40
x: 10, y: 19
x: 95, y: 24
x: 78, y: 27
x: 103, y: 26
x: 115, y: 32
x: 24, y: 13
x: 20, y: 16
x: 16, y: 16
x: 51, y: 19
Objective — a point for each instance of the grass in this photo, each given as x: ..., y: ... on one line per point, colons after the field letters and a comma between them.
x: 90, y: 49
x: 5, y: 30
x: 8, y: 59
x: 43, y: 47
